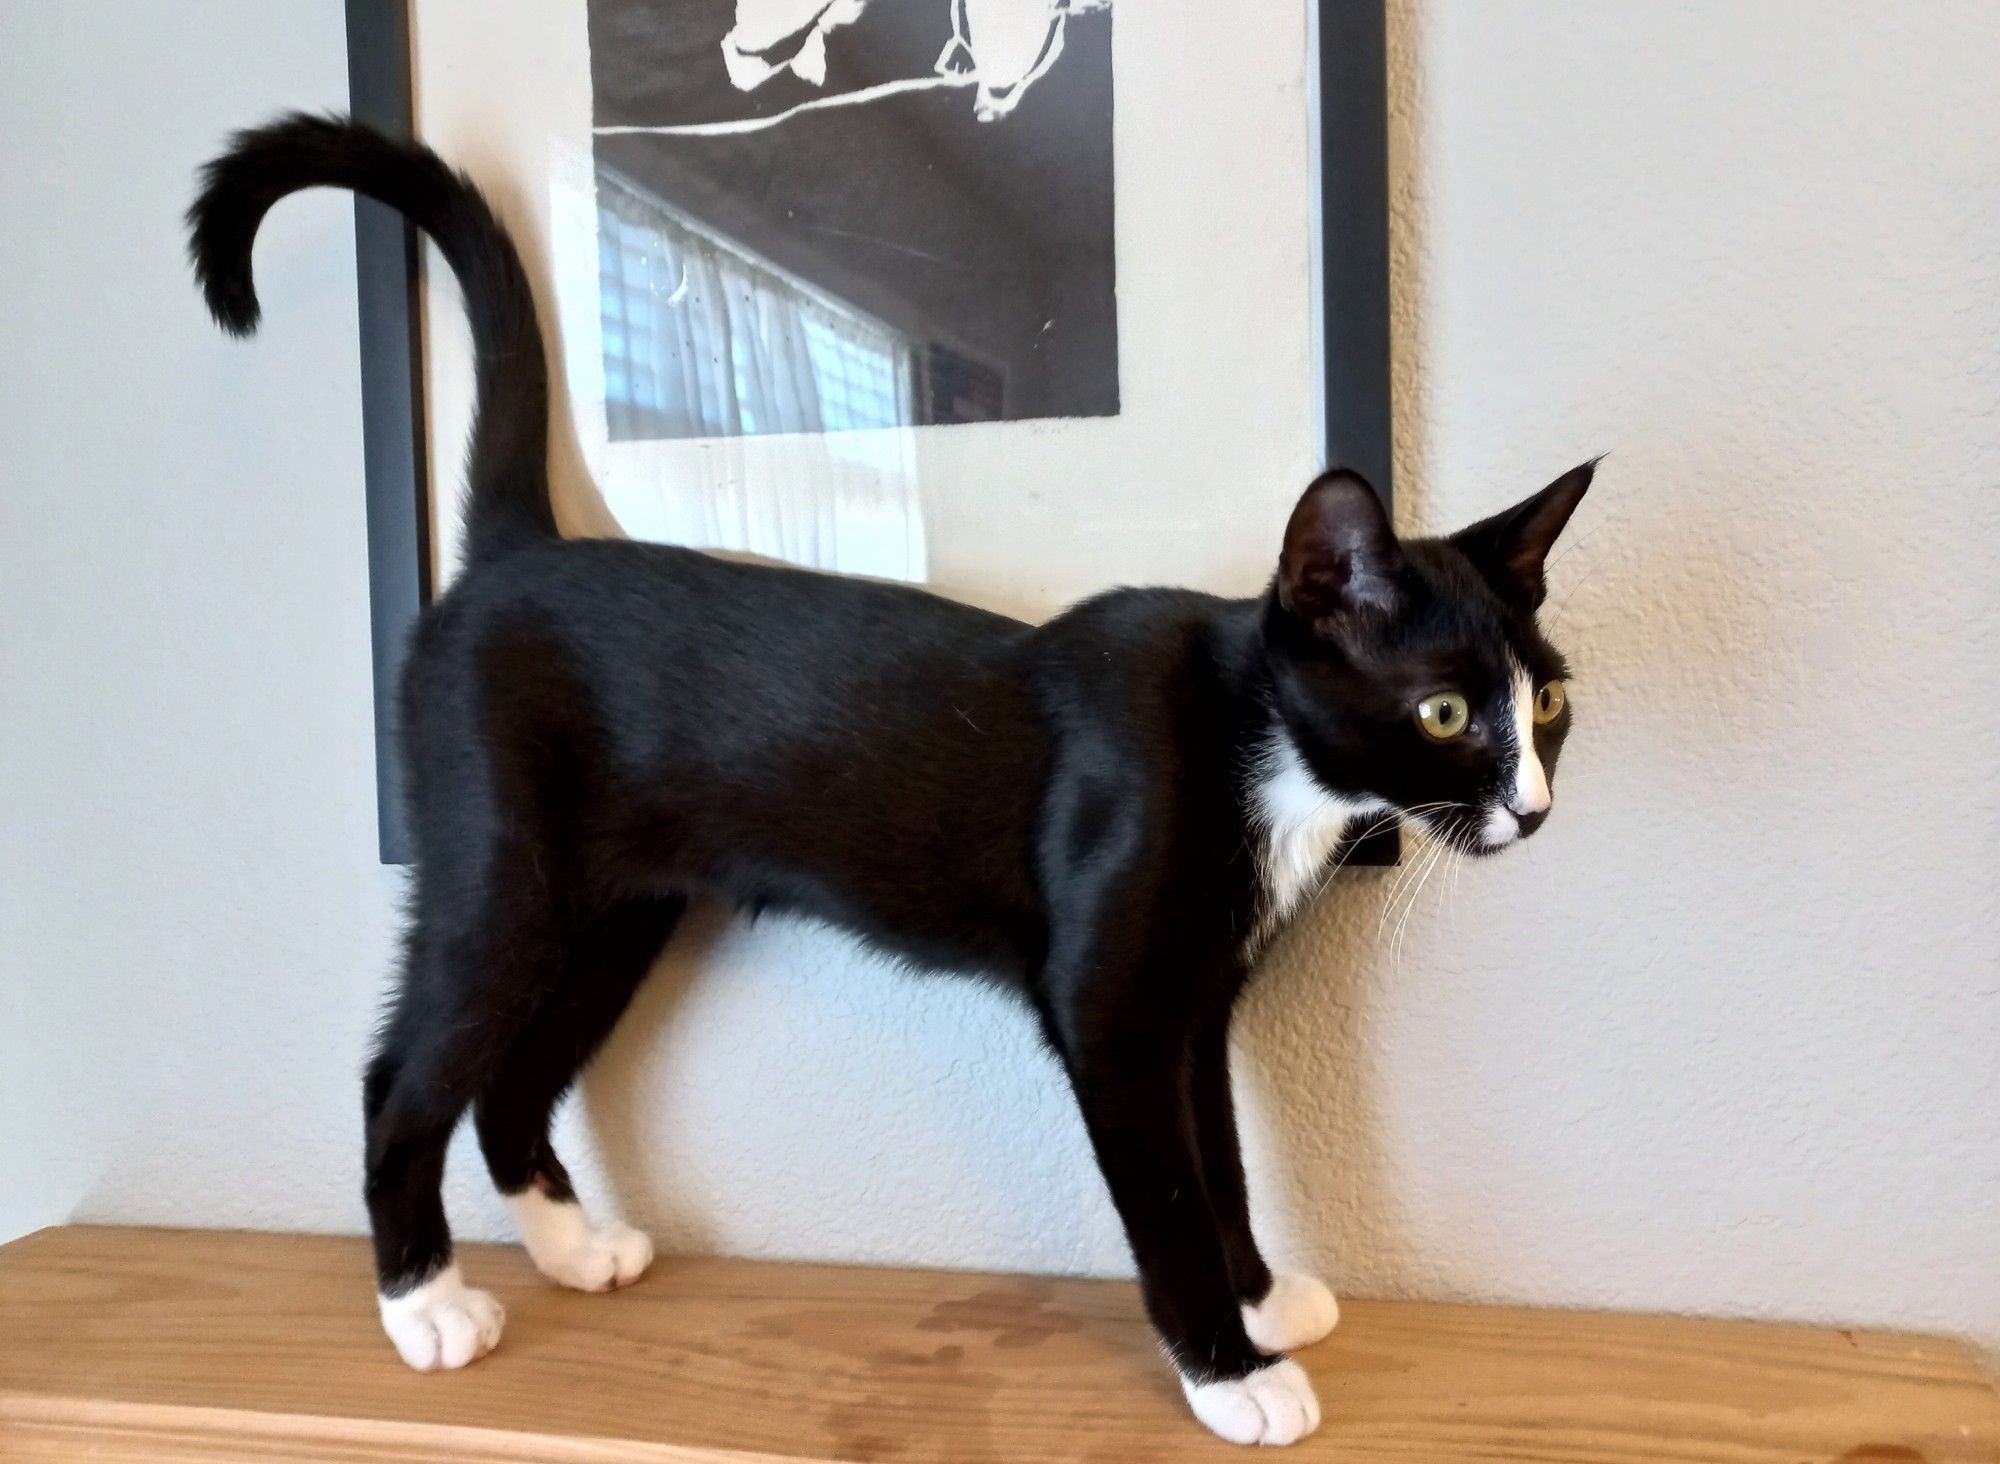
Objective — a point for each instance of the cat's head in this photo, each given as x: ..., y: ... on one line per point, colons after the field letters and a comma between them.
x: 1412, y: 673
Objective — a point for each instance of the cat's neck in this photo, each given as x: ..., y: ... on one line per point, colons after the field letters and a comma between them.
x: 1233, y: 638
x: 1296, y: 821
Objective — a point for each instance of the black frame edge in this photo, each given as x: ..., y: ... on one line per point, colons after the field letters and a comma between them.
x: 1354, y: 265
x: 392, y: 407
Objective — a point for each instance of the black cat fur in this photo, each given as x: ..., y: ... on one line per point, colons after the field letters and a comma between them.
x: 596, y: 732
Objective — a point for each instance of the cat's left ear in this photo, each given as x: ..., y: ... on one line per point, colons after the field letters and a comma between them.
x: 1511, y: 548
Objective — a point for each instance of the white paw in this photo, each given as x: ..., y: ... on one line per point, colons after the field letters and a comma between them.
x: 571, y: 1250
x: 443, y: 1323
x: 1273, y: 1405
x: 1298, y: 1312
x: 602, y: 1258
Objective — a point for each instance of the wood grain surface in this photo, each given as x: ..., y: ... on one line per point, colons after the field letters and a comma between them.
x: 159, y: 1345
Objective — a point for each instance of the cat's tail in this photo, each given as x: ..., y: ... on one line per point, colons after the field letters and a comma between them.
x: 507, y: 500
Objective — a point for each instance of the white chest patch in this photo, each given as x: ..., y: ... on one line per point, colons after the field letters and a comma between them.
x: 1297, y: 823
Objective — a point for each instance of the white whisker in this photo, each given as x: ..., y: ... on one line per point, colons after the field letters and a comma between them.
x: 1413, y: 877
x: 1402, y: 880
x: 1555, y: 620
x: 1410, y: 905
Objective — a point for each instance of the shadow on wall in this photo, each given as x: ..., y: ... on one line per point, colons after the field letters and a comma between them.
x: 615, y: 1094
x: 822, y: 1102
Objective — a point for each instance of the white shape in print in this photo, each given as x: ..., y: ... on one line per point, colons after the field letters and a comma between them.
x: 1006, y: 46
x: 1000, y: 47
x: 764, y: 28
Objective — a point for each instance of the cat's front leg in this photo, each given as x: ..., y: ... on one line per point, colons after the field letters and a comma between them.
x: 1129, y: 1086
x: 1282, y: 1310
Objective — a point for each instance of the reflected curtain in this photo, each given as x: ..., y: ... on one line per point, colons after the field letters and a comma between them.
x: 703, y: 339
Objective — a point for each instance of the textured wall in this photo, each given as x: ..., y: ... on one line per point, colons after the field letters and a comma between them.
x: 1725, y: 1037
x: 1721, y: 1039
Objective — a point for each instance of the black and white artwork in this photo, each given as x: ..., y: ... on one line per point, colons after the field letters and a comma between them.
x: 824, y: 215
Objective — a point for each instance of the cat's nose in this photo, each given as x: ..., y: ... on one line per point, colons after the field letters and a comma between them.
x: 1529, y: 822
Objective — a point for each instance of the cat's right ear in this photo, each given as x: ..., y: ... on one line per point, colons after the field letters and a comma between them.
x: 1341, y: 558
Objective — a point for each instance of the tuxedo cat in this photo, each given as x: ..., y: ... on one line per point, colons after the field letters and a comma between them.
x: 1108, y: 814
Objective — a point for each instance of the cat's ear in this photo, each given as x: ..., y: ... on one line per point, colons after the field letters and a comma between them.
x: 1341, y: 557
x: 1512, y: 547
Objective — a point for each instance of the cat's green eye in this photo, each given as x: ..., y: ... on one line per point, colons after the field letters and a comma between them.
x: 1548, y: 703
x: 1443, y: 715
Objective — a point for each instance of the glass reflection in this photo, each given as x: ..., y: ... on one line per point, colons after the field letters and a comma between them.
x: 818, y: 216
x: 702, y: 338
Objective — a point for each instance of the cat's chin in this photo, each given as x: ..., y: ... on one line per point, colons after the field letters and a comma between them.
x: 1482, y: 842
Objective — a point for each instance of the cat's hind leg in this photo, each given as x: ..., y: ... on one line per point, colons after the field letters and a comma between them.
x: 466, y: 989
x: 601, y: 966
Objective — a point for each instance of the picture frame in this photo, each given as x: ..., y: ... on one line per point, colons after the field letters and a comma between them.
x: 1349, y: 278
x: 393, y: 430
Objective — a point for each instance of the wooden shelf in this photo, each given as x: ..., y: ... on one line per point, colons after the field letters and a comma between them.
x: 164, y: 1345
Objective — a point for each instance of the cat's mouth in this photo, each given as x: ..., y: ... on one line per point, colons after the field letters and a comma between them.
x: 1477, y: 830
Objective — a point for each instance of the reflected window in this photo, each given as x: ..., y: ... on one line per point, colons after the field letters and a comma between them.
x: 702, y: 338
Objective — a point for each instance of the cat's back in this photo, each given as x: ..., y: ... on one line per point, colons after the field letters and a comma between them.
x: 674, y: 647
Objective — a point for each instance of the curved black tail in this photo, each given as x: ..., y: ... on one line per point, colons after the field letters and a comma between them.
x: 507, y: 499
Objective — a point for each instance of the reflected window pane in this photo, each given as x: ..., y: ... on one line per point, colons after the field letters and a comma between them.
x: 704, y: 339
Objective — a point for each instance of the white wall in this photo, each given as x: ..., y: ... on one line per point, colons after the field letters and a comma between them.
x: 1721, y: 1039
x: 192, y: 931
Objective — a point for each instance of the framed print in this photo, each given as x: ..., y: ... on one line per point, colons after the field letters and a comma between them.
x: 952, y: 163
x: 1015, y: 299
